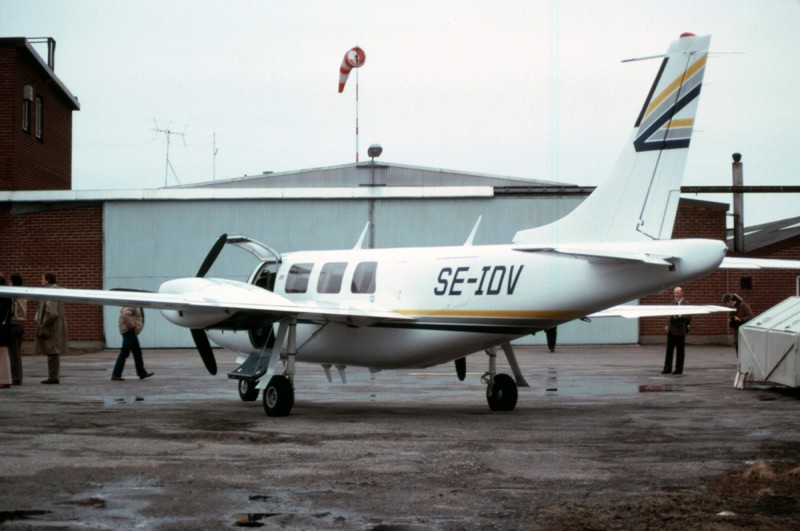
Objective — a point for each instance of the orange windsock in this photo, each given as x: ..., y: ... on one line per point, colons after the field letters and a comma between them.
x: 354, y: 58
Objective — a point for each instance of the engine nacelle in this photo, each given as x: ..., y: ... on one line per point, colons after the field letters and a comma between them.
x: 218, y: 301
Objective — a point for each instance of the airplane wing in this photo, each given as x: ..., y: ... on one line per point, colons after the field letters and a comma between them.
x: 743, y: 262
x: 630, y: 311
x: 227, y: 298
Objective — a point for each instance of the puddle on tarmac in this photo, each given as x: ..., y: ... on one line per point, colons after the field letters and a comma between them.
x: 251, y: 519
x: 577, y: 384
x: 117, y: 401
x: 13, y: 516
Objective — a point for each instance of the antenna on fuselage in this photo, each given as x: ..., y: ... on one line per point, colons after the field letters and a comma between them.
x: 472, y: 234
x: 360, y: 243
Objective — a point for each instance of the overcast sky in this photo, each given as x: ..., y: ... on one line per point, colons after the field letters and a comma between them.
x: 529, y: 89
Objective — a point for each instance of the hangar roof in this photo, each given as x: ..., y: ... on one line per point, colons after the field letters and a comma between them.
x: 770, y: 236
x: 361, y: 174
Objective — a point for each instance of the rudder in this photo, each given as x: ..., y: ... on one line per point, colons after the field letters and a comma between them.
x: 639, y: 199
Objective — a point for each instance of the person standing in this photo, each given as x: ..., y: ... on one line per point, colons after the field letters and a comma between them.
x: 742, y: 314
x: 677, y: 328
x: 5, y: 338
x: 19, y: 314
x: 131, y: 323
x: 51, y: 332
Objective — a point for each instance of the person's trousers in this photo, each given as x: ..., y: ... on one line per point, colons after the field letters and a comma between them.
x: 675, y: 343
x: 130, y: 343
x: 53, y: 366
x: 5, y: 367
x: 15, y: 353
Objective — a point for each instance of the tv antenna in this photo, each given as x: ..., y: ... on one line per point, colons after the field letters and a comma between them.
x: 168, y: 133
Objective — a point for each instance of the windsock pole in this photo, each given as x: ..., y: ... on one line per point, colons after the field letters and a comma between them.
x: 356, y: 116
x: 354, y: 58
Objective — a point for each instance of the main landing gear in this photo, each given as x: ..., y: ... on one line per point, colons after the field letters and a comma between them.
x: 278, y: 396
x: 501, y: 389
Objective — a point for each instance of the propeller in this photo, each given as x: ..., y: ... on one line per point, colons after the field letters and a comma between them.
x: 198, y: 334
x: 212, y: 255
x: 204, y: 348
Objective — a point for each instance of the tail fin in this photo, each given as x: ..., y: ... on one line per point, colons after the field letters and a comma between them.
x: 639, y: 199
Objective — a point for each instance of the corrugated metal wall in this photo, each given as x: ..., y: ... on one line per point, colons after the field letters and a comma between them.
x: 149, y: 242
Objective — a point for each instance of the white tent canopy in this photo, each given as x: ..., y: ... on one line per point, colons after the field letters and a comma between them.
x: 769, y: 345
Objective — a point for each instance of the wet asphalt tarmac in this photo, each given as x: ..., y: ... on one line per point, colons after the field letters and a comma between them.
x: 413, y: 449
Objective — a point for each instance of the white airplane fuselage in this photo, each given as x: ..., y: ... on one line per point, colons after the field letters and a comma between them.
x: 464, y: 299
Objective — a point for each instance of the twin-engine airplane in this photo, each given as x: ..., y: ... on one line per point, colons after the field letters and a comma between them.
x: 419, y: 307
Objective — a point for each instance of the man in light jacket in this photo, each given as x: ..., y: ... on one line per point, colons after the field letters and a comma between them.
x: 131, y: 323
x: 51, y: 332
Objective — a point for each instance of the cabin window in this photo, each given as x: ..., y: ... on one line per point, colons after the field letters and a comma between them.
x: 297, y: 280
x: 266, y: 276
x: 364, y: 278
x: 330, y: 277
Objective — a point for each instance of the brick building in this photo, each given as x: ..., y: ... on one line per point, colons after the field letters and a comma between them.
x: 36, y: 154
x: 36, y: 119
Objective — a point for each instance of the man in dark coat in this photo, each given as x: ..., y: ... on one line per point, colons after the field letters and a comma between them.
x: 677, y: 328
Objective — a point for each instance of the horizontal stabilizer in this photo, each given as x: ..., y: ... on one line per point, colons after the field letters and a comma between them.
x: 604, y: 252
x: 630, y: 311
x: 736, y: 262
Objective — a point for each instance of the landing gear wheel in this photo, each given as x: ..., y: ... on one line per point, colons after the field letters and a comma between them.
x: 502, y: 396
x: 278, y: 397
x: 247, y: 390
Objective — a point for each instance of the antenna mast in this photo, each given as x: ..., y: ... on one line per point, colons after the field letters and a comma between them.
x: 168, y: 134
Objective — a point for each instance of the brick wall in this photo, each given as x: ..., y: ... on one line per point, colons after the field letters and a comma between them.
x: 767, y: 287
x: 67, y: 242
x: 28, y: 162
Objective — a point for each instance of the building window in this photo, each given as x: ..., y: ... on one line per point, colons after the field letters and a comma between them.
x: 39, y: 117
x: 26, y: 116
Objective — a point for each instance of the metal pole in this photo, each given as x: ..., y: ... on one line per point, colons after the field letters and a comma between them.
x: 356, y: 115
x: 738, y: 204
x: 372, y: 205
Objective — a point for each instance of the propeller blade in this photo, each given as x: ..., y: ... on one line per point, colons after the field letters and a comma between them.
x: 461, y: 368
x: 204, y: 348
x: 212, y: 255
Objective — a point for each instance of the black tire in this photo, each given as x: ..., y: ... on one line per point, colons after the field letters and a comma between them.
x: 247, y: 390
x: 502, y: 396
x: 278, y: 397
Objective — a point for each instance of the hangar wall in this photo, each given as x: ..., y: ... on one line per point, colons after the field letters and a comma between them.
x: 149, y: 242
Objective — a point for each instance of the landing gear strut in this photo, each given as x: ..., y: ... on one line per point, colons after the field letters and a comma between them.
x: 278, y: 396
x: 501, y: 389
